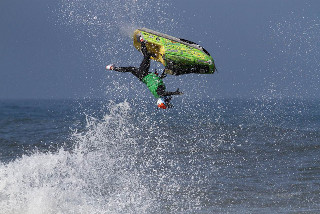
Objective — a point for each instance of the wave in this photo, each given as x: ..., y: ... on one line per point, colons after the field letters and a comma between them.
x: 135, y: 159
x: 97, y: 176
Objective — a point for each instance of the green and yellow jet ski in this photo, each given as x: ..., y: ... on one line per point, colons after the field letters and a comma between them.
x: 179, y: 56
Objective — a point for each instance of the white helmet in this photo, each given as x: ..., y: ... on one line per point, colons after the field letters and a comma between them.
x: 161, y: 103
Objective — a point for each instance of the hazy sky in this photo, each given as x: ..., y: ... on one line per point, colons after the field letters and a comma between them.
x: 59, y: 49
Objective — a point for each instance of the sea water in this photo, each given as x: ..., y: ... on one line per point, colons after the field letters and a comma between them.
x: 216, y: 156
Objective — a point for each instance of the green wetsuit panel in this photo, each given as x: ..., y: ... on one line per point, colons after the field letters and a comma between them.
x: 153, y: 82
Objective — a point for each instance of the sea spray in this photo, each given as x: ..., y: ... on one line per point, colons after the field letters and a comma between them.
x: 104, y: 26
x: 104, y: 29
x: 97, y: 176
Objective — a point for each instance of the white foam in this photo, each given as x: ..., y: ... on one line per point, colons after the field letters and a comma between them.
x: 97, y: 176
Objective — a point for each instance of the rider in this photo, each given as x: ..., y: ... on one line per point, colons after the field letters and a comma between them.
x: 152, y: 80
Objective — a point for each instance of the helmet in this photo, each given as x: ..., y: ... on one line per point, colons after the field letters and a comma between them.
x: 161, y: 103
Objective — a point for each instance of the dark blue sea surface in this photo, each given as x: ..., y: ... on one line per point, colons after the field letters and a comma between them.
x: 216, y: 156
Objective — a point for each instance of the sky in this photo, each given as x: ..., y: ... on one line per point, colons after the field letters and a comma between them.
x: 59, y: 49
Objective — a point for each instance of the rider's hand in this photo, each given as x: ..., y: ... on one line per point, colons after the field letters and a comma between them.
x: 177, y: 92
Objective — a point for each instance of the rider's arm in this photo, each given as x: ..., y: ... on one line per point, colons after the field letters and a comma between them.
x: 161, y: 92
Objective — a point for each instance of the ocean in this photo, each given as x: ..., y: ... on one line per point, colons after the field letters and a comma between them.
x: 127, y: 156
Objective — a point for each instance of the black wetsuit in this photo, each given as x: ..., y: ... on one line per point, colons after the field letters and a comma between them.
x: 143, y: 71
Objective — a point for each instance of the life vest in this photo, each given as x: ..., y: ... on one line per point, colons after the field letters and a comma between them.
x: 153, y: 82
